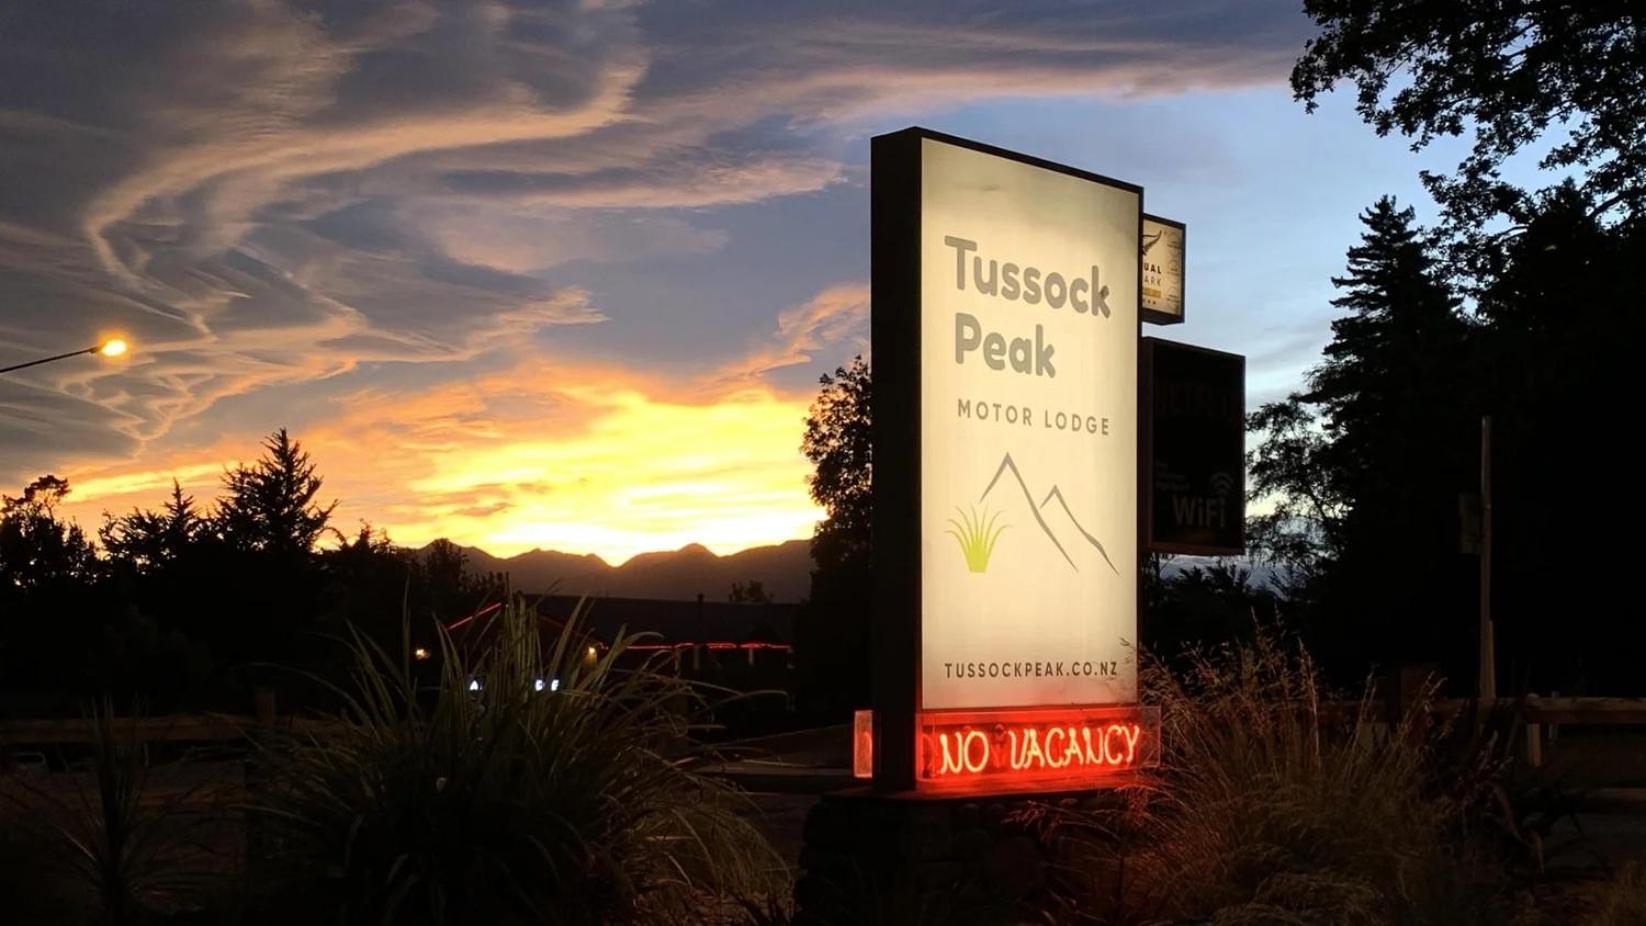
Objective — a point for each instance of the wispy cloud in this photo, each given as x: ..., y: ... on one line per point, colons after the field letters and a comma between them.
x: 835, y: 316
x: 284, y: 203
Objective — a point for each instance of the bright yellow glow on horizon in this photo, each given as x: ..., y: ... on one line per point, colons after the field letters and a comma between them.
x: 634, y: 474
x: 580, y: 460
x: 113, y: 347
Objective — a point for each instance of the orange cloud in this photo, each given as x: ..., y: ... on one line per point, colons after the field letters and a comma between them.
x: 578, y: 458
x: 836, y: 314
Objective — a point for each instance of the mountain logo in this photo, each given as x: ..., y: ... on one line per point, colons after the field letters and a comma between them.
x: 1007, y: 465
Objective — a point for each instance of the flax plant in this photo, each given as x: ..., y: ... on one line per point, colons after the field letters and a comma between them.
x: 110, y: 845
x: 527, y: 782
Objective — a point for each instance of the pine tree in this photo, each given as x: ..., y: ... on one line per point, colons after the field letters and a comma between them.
x: 146, y: 539
x: 270, y: 504
x: 1369, y: 459
x: 1389, y: 385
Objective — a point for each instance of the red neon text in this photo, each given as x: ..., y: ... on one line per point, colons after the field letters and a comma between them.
x: 974, y: 751
x: 1032, y: 746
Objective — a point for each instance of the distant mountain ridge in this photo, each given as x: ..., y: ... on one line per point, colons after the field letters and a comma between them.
x: 784, y: 570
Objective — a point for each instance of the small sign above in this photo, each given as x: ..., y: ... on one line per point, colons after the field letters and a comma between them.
x: 1163, y: 241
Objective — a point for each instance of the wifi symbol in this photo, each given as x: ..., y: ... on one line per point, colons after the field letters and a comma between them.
x: 1222, y: 484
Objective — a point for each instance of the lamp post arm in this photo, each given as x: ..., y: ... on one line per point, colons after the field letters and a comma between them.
x: 35, y: 363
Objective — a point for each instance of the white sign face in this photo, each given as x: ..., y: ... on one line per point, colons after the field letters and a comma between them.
x: 1163, y: 269
x: 1028, y: 436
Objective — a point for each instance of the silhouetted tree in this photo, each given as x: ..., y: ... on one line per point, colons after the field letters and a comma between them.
x: 839, y: 445
x: 449, y: 589
x: 36, y: 548
x: 49, y: 602
x: 1369, y: 459
x: 146, y: 539
x: 1203, y: 605
x: 1555, y: 273
x: 832, y: 634
x: 754, y: 592
x: 1560, y: 375
x: 270, y: 504
x: 1512, y: 73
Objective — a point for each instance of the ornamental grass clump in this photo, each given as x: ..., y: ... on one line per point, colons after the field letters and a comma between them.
x: 1274, y: 805
x: 539, y: 778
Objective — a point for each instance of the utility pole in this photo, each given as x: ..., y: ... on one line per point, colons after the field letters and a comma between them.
x: 1488, y: 648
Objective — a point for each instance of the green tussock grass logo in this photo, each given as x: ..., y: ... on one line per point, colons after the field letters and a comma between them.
x: 976, y: 536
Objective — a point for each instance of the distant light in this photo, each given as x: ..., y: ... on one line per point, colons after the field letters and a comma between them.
x: 113, y: 347
x: 591, y: 653
x: 474, y: 684
x: 420, y: 654
x: 537, y: 684
x: 554, y: 684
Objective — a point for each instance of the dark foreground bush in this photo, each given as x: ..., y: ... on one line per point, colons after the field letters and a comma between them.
x: 535, y: 781
x: 1272, y: 808
x: 105, y: 843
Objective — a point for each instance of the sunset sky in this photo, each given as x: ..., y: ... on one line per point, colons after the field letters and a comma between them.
x: 564, y: 275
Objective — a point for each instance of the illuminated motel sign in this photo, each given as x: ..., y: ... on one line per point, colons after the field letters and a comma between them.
x: 1006, y: 294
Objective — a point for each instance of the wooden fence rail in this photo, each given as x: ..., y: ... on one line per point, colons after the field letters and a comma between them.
x: 178, y: 728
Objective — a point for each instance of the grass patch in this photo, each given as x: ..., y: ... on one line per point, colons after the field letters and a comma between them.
x: 1271, y: 808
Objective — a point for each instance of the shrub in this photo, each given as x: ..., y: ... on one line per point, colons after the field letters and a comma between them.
x: 106, y: 845
x: 534, y: 780
x: 1271, y: 807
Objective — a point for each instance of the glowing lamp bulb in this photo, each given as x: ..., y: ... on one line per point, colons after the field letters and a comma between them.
x: 113, y: 347
x: 420, y: 654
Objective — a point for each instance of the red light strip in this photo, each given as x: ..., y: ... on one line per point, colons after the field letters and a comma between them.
x: 1039, y: 749
x: 480, y: 613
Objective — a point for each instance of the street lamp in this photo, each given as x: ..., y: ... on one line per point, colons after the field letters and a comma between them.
x: 113, y: 347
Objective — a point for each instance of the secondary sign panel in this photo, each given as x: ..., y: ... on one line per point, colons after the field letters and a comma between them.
x: 1028, y: 323
x: 1163, y: 275
x: 1195, y: 438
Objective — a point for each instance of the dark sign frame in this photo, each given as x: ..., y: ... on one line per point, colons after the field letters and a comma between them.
x: 1146, y: 358
x: 895, y: 187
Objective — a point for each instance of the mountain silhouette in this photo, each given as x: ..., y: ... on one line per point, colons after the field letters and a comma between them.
x: 1009, y: 465
x: 783, y: 570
